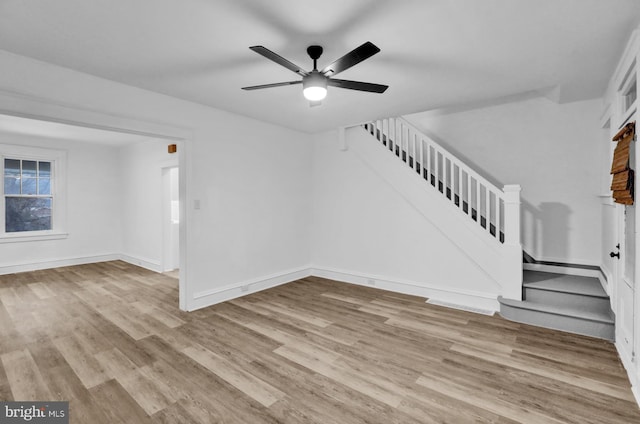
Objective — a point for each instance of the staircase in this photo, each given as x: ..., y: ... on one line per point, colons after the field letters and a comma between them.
x: 482, y: 220
x: 562, y: 302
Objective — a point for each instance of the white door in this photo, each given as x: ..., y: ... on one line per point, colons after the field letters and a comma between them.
x: 625, y: 293
x: 624, y: 277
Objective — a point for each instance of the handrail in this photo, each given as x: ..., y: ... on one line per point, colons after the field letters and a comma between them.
x: 474, y: 174
x: 493, y: 209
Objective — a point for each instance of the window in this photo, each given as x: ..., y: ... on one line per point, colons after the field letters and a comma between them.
x: 32, y: 205
x: 27, y: 195
x: 628, y: 94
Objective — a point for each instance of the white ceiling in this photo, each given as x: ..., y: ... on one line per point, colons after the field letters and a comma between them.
x: 434, y: 53
x: 61, y: 131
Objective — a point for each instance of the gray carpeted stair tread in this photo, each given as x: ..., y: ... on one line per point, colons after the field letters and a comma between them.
x: 563, y: 311
x: 587, y: 286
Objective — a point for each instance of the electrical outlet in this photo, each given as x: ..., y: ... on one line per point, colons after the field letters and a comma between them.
x: 244, y: 288
x: 371, y: 282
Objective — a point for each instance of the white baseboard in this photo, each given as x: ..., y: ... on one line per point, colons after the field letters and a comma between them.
x: 56, y: 263
x: 469, y: 298
x: 149, y: 264
x: 605, y: 278
x: 632, y: 372
x: 487, y: 301
x: 232, y: 291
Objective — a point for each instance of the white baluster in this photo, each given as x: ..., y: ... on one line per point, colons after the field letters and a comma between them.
x: 488, y: 206
x: 447, y: 174
x: 468, y: 193
x: 478, y: 201
x: 436, y: 168
x: 498, y: 201
x: 392, y: 129
x: 460, y: 186
x: 429, y: 160
x: 414, y: 148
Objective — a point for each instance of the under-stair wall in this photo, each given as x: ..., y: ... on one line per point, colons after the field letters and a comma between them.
x: 385, y: 220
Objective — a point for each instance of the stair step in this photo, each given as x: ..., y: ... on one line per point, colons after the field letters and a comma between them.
x: 574, y: 320
x: 570, y: 291
x: 586, y: 286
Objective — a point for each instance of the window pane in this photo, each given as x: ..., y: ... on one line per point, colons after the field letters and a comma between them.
x: 27, y: 214
x: 44, y: 186
x: 29, y: 185
x: 11, y: 185
x: 12, y: 167
x: 44, y: 169
x: 29, y: 168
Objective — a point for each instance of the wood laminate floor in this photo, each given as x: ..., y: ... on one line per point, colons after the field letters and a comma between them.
x: 109, y: 338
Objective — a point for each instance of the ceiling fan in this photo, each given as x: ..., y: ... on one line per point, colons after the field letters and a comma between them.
x: 315, y: 82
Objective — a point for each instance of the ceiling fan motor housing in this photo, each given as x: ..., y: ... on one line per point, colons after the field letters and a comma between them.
x: 314, y: 79
x: 314, y: 52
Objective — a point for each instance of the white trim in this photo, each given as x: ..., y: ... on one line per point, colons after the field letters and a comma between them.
x: 58, y: 159
x: 27, y: 236
x: 571, y: 261
x: 149, y: 264
x: 45, y: 109
x: 26, y: 105
x: 472, y: 299
x: 628, y: 365
x: 56, y: 263
x: 231, y: 291
x: 606, y: 199
x: 605, y: 281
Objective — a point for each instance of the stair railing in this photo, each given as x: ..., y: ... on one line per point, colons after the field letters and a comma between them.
x: 496, y: 211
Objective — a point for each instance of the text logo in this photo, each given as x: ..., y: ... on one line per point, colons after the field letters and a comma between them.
x: 34, y: 412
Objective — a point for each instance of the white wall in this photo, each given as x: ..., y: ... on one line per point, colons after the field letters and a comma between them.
x: 93, y: 218
x: 362, y: 227
x: 141, y: 208
x: 252, y: 179
x: 552, y: 151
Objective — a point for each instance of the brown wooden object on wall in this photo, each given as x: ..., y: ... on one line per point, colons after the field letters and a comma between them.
x: 622, y: 183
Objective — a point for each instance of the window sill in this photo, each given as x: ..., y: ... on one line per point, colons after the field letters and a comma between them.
x: 15, y: 238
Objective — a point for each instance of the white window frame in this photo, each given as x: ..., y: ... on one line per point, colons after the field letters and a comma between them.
x: 58, y: 159
x: 624, y: 89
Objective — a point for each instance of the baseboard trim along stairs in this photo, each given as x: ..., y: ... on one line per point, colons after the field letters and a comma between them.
x: 572, y: 303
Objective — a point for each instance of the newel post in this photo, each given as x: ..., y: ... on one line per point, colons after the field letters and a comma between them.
x: 512, y: 215
x: 512, y: 265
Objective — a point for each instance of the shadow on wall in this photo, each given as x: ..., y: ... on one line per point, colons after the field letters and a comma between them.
x: 545, y: 230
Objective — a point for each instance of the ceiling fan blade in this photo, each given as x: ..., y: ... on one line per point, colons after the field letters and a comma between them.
x: 357, y: 85
x: 278, y: 59
x: 277, y: 84
x: 354, y: 57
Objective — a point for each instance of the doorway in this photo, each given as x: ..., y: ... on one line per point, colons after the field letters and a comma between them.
x: 23, y: 106
x: 171, y: 221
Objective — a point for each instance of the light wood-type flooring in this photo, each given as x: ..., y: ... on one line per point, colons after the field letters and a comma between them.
x: 109, y: 338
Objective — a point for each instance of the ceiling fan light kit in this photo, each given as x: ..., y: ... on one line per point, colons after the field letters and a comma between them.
x: 315, y: 82
x: 314, y: 86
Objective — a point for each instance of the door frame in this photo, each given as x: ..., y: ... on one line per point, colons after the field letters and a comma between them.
x: 32, y: 107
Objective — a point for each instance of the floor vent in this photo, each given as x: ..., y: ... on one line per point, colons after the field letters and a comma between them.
x: 460, y: 307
